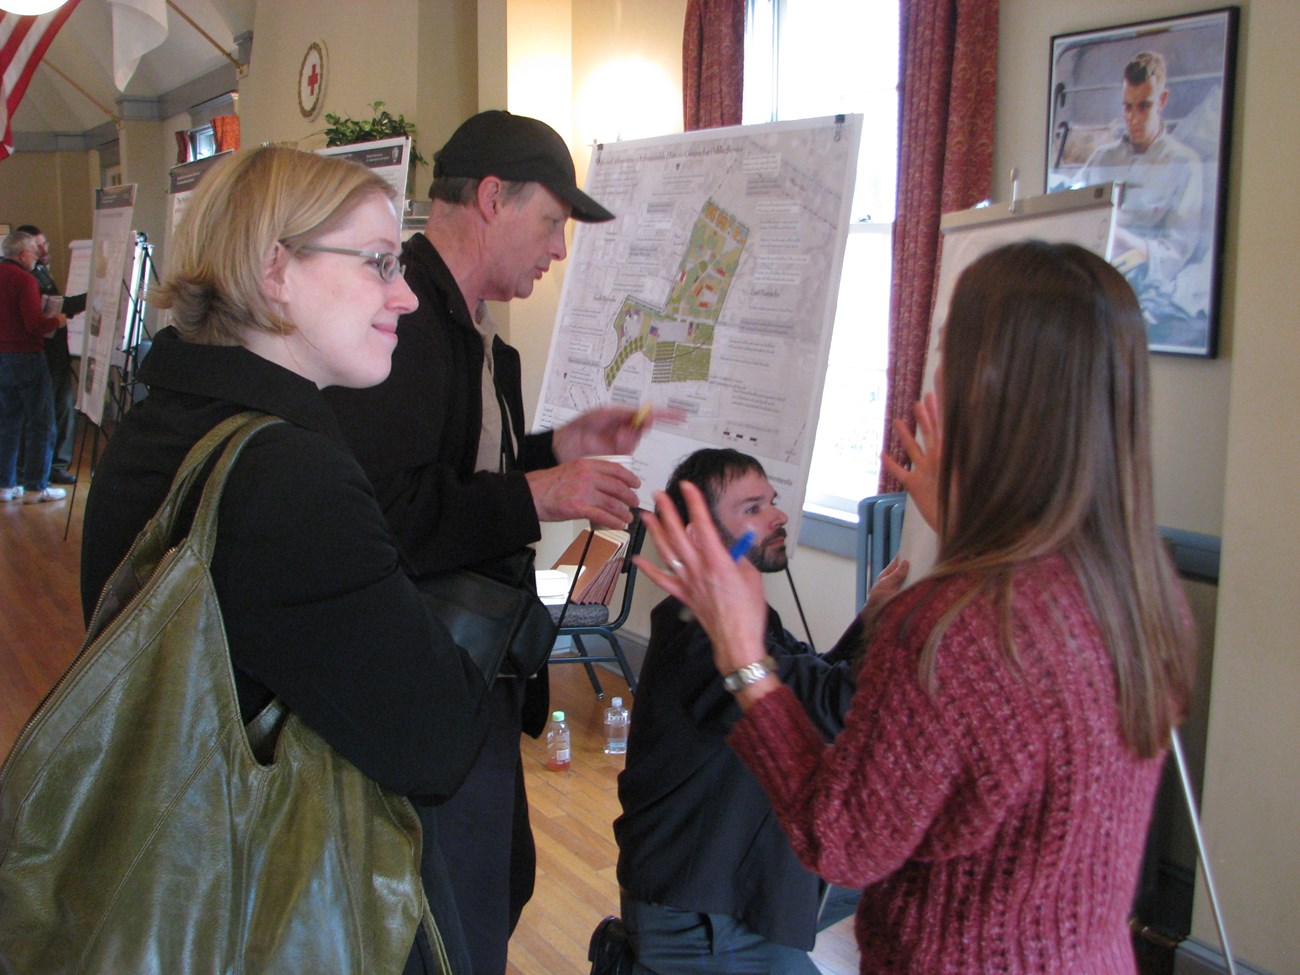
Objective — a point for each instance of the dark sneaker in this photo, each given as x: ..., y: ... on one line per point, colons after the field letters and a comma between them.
x: 60, y: 476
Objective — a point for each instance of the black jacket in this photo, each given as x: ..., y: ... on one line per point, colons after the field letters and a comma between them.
x: 316, y: 606
x: 416, y: 435
x: 697, y: 831
x: 56, y: 346
x: 72, y: 304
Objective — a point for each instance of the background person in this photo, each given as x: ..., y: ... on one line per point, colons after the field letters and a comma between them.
x: 460, y: 481
x: 281, y: 282
x: 993, y: 784
x: 26, y: 399
x: 59, y: 360
x: 710, y: 883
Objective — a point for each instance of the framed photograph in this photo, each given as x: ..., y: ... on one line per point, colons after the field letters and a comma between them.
x: 1149, y: 105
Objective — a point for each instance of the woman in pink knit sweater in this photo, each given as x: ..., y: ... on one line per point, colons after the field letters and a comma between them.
x: 994, y: 782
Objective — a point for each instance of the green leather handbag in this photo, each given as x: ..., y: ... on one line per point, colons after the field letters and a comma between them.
x: 145, y: 829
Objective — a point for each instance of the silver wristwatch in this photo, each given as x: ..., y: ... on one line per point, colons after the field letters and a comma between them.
x: 738, y: 680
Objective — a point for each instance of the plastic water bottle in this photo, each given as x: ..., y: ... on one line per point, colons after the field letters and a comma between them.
x: 616, y: 721
x: 557, y: 743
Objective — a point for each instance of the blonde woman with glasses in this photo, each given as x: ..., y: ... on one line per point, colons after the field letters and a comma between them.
x: 283, y: 281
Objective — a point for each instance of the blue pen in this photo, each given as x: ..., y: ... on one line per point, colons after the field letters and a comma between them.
x: 741, y: 545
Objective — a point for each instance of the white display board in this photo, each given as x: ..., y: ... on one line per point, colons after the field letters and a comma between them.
x: 712, y: 292
x: 183, y: 181
x: 108, y: 296
x: 78, y: 283
x: 1085, y: 217
x: 389, y: 158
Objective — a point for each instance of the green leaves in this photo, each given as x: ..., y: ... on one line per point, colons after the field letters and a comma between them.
x: 345, y: 130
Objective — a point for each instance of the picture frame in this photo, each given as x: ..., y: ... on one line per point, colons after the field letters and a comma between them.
x: 1112, y: 117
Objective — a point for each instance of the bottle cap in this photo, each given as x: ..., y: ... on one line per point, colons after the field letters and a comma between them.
x: 557, y: 715
x: 617, y: 702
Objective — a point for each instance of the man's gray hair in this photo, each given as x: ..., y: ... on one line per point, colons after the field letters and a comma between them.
x: 461, y: 190
x: 16, y: 243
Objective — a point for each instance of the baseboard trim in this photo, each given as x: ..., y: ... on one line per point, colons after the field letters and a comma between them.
x: 1195, y: 957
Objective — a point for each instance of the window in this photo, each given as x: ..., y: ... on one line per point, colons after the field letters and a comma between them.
x: 808, y: 58
x: 202, y: 134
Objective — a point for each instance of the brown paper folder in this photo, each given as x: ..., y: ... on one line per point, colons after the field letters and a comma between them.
x: 599, y: 569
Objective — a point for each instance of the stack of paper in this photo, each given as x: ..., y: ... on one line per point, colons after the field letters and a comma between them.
x: 600, y: 568
x: 553, y: 586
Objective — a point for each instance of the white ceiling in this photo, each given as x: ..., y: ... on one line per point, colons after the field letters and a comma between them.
x: 83, y: 50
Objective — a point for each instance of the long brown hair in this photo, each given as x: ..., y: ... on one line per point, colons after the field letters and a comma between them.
x: 1047, y: 448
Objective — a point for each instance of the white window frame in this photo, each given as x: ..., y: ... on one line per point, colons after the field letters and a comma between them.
x: 829, y: 522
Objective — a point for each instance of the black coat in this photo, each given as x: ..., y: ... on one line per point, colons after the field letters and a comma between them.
x: 697, y: 831
x: 416, y: 435
x: 56, y: 346
x: 316, y: 606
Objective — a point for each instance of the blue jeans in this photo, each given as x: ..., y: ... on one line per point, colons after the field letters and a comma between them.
x: 672, y: 942
x: 26, y: 414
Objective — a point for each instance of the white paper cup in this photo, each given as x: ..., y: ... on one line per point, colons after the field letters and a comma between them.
x: 624, y: 459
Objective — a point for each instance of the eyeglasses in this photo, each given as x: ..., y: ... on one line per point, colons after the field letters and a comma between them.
x: 386, y: 264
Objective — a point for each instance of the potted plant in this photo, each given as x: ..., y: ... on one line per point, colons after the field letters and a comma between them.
x: 343, y: 130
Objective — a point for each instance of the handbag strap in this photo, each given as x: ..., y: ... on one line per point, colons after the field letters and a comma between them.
x: 155, y: 539
x: 203, y: 529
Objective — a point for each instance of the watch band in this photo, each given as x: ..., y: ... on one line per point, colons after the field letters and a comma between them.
x: 738, y: 680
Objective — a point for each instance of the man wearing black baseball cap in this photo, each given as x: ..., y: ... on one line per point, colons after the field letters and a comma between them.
x: 461, y: 482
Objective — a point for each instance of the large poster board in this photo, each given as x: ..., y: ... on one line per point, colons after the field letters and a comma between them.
x: 1085, y: 217
x: 713, y: 292
x: 183, y: 181
x: 107, y: 298
x: 78, y: 284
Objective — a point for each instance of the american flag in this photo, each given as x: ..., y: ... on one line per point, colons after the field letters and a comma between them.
x: 23, y: 42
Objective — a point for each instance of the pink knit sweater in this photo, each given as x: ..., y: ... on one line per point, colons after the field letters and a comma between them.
x: 999, y: 824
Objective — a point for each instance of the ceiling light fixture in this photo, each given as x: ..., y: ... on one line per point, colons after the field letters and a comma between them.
x: 30, y: 8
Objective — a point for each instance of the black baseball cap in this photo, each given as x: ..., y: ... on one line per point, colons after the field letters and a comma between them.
x: 519, y: 149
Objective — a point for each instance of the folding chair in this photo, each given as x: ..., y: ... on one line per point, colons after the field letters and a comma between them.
x: 592, y: 619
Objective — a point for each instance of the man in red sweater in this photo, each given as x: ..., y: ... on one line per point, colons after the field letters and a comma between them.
x: 26, y: 398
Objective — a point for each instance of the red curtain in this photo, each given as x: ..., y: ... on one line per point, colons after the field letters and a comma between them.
x: 713, y: 63
x: 945, y: 163
x: 225, y: 131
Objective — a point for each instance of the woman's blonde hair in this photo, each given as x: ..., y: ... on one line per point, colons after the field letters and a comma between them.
x: 1047, y: 448
x: 242, y: 208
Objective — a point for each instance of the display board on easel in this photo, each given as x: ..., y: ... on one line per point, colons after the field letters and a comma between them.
x: 1085, y: 217
x: 712, y: 292
x: 108, y: 297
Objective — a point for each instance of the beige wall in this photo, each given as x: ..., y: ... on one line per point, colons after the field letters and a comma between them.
x: 370, y: 49
x: 53, y: 191
x: 146, y: 150
x: 447, y: 85
x: 1227, y: 456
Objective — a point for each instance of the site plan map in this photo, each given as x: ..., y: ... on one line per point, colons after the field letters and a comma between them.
x: 713, y: 292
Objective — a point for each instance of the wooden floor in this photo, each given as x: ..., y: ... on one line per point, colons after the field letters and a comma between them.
x: 572, y: 812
